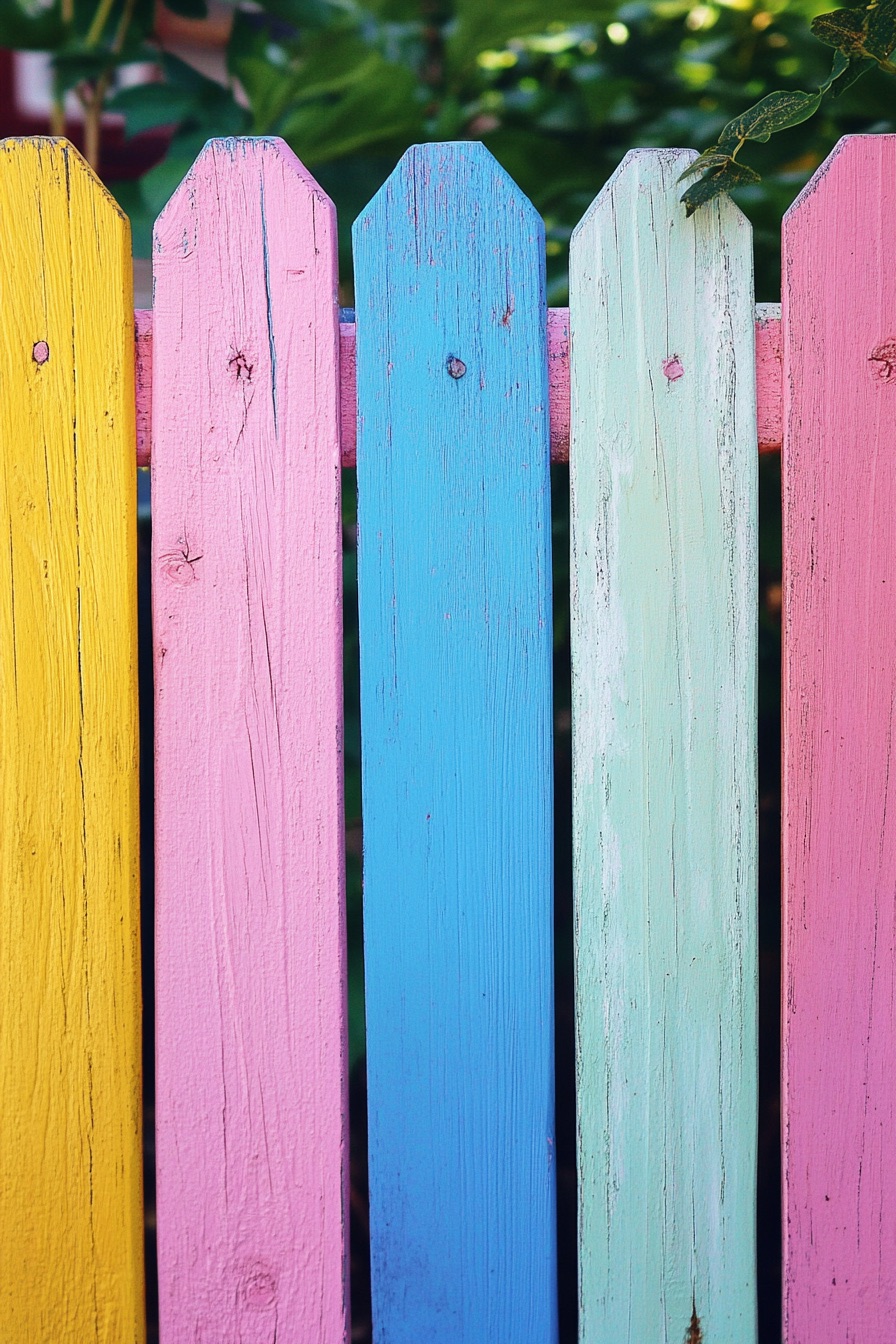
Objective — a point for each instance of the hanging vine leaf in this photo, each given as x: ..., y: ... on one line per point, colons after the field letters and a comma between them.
x: 730, y: 175
x: 842, y: 28
x: 775, y: 112
x: 862, y: 36
x: 881, y: 30
x: 708, y: 161
x: 869, y: 32
x: 844, y: 72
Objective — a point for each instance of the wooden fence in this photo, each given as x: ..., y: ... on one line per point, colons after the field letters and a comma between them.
x: 462, y: 386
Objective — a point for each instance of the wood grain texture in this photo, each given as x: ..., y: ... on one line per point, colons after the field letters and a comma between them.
x: 663, y: 484
x: 71, y: 1215
x: 455, y: 627
x: 839, y: 1095
x: 250, y: 947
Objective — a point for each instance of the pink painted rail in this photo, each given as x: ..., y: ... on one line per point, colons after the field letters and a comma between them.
x: 768, y: 383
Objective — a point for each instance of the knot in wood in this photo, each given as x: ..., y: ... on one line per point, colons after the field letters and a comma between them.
x: 456, y: 367
x: 240, y: 366
x: 883, y: 362
x: 40, y: 352
x: 259, y: 1287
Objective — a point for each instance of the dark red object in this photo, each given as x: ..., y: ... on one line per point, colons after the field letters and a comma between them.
x: 121, y: 158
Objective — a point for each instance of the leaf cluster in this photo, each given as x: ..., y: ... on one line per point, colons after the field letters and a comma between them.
x: 862, y: 37
x: 559, y: 90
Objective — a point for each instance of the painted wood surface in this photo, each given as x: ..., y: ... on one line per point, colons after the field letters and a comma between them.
x: 143, y: 380
x: 663, y: 483
x: 768, y: 383
x: 839, y: 1097
x: 250, y: 951
x: 71, y: 1216
x: 769, y: 377
x: 455, y: 627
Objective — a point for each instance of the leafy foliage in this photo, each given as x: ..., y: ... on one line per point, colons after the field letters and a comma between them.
x: 862, y: 38
x: 558, y: 90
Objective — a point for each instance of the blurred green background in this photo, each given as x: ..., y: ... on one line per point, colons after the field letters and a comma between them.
x: 558, y: 90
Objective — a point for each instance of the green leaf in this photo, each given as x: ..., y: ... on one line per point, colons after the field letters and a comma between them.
x: 304, y: 13
x: 146, y: 106
x: 845, y: 70
x: 723, y: 179
x: 708, y: 161
x: 774, y: 112
x: 881, y: 30
x: 188, y: 9
x: 376, y: 109
x: 39, y: 30
x: 842, y: 28
x: 76, y: 63
x: 265, y: 68
x: 483, y: 25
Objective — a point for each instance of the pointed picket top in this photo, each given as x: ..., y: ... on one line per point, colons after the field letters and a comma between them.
x: 250, y: 949
x: 663, y: 512
x: 453, y: 164
x: 455, y: 632
x: 71, y: 1209
x: 839, y: 675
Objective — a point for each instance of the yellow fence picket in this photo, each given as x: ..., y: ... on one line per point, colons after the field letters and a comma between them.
x: 71, y: 1248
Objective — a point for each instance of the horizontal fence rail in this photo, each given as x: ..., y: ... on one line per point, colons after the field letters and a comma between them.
x: 452, y: 392
x: 769, y: 389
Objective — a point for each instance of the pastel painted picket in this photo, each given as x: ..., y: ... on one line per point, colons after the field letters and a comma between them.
x: 455, y: 623
x: 250, y: 951
x: 663, y: 495
x: 71, y: 1207
x: 839, y: 827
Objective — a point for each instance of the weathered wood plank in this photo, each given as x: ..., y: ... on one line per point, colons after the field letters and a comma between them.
x: 455, y: 625
x: 663, y: 484
x: 839, y: 1099
x: 71, y: 1215
x: 250, y: 951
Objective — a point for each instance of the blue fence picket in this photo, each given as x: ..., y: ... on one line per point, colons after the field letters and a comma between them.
x: 455, y: 624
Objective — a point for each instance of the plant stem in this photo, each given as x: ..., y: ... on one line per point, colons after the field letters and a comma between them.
x: 57, y: 115
x: 92, y: 116
x: 95, y: 31
x: 94, y: 104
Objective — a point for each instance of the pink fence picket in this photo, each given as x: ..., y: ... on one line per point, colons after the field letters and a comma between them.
x: 251, y: 1044
x: 839, y: 1099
